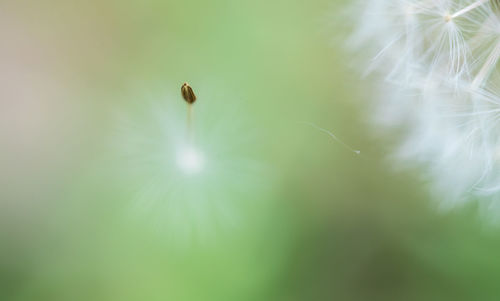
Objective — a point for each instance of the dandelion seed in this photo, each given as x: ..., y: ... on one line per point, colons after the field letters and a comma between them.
x: 189, y: 190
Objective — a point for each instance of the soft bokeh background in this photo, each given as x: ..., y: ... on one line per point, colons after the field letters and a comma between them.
x: 281, y: 212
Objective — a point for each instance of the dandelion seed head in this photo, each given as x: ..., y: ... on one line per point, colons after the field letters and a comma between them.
x: 439, y: 62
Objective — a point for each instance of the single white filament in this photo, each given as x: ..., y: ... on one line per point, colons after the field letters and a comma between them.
x: 357, y: 152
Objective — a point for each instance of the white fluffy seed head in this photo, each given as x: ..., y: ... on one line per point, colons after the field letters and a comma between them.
x: 439, y: 61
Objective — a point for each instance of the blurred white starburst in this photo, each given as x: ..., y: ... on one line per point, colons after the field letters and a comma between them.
x: 190, y: 160
x: 190, y: 184
x: 439, y: 60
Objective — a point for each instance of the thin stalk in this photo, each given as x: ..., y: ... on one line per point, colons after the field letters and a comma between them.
x: 190, y: 135
x: 468, y: 8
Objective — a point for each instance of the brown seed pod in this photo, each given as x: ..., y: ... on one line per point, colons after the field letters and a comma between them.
x: 188, y: 94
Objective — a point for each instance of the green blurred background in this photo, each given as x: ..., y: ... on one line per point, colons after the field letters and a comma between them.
x: 310, y: 220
